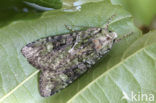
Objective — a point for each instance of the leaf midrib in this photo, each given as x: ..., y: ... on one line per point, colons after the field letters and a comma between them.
x: 18, y: 86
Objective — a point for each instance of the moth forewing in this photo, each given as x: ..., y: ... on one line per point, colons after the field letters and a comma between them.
x: 63, y: 58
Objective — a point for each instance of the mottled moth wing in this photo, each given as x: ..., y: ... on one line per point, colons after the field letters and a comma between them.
x: 63, y: 58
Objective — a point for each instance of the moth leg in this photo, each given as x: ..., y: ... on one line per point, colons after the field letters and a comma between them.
x: 76, y: 42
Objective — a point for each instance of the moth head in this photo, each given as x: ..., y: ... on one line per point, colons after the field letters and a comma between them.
x: 109, y: 34
x: 104, y: 40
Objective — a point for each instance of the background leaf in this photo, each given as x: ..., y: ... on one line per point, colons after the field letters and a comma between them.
x: 57, y: 4
x: 143, y: 10
x: 12, y: 10
x: 19, y: 80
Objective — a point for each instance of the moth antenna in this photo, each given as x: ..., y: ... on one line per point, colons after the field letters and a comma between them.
x: 109, y: 20
x: 69, y: 27
x: 125, y: 36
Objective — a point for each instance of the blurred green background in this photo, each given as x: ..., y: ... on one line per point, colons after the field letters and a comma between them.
x: 144, y: 11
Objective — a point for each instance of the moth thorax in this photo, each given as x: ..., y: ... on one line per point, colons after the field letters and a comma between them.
x: 103, y: 43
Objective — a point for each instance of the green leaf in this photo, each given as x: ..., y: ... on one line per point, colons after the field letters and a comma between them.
x: 135, y: 73
x: 19, y: 80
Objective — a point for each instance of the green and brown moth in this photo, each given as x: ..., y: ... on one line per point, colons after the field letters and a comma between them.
x: 63, y: 58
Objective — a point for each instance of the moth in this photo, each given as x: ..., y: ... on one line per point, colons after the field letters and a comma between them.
x: 63, y: 58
